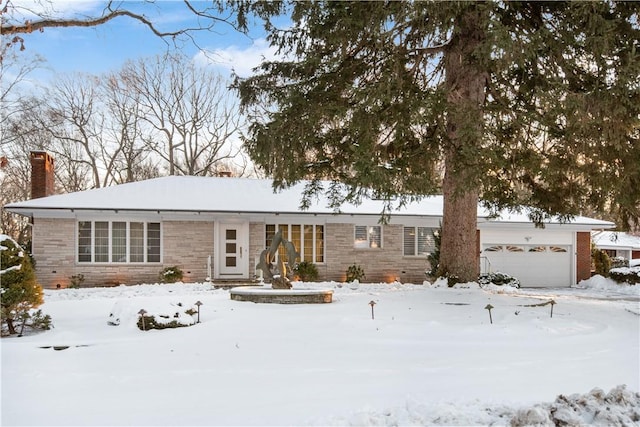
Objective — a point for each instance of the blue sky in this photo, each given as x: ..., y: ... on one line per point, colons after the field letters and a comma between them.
x: 105, y: 48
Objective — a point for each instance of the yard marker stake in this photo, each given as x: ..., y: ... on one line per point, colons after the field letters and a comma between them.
x: 552, y: 302
x: 372, y: 303
x: 489, y: 307
x: 142, y: 312
x: 198, y: 304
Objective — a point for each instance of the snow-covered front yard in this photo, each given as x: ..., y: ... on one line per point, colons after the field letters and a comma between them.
x: 430, y: 356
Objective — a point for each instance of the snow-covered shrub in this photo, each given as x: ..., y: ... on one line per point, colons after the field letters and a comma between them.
x: 172, y: 316
x: 617, y: 262
x: 20, y: 293
x: 499, y: 279
x: 171, y: 274
x: 306, y: 271
x: 630, y: 275
x: 355, y: 272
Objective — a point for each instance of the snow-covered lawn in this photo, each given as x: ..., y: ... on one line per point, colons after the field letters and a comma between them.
x: 430, y: 356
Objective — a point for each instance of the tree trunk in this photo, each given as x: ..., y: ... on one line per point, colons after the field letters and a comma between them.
x: 458, y: 248
x: 465, y: 82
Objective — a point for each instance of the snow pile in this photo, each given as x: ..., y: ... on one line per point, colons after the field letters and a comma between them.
x: 600, y: 283
x: 620, y: 407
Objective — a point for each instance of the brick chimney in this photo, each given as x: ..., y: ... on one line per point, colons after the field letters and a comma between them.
x: 42, y: 184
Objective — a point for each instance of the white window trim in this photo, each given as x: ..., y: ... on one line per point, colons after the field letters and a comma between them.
x: 415, y: 241
x: 300, y: 245
x: 128, y: 245
x: 368, y: 247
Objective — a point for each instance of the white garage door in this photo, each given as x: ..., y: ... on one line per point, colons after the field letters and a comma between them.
x: 533, y: 265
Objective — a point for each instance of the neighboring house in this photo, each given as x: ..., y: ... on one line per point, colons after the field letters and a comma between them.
x: 617, y: 244
x: 219, y: 226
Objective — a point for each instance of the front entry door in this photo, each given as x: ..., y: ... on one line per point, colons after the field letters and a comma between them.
x: 233, y: 250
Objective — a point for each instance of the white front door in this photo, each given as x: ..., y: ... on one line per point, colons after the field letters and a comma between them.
x: 233, y: 249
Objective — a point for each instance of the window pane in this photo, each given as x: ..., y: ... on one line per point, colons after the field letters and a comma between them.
x: 230, y: 261
x: 409, y: 241
x: 368, y: 236
x: 296, y: 239
x: 231, y: 234
x: 84, y: 241
x: 284, y: 229
x: 101, y: 241
x: 153, y: 242
x: 307, y: 246
x: 319, y: 243
x: 136, y: 239
x: 426, y: 241
x: 230, y: 248
x: 119, y: 242
x: 361, y: 238
x: 270, y: 231
x: 375, y: 237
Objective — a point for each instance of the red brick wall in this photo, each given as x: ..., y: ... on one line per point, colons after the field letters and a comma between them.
x: 583, y: 256
x: 42, y: 183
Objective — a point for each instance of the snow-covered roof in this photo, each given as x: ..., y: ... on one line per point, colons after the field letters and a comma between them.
x: 232, y: 195
x: 615, y: 239
x: 208, y: 194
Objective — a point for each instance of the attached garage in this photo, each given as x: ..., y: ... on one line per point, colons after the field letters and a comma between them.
x: 553, y: 256
x: 537, y: 265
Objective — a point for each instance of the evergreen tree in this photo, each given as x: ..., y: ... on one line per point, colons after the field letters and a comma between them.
x: 526, y: 104
x: 20, y: 292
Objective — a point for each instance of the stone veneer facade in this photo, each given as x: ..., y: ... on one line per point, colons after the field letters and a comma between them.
x: 380, y: 265
x: 186, y: 244
x: 385, y: 264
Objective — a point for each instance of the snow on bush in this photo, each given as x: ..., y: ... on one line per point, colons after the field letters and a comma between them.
x: 498, y: 279
x: 156, y: 316
x: 630, y: 275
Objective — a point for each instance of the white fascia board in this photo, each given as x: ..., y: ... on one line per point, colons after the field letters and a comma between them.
x: 587, y: 227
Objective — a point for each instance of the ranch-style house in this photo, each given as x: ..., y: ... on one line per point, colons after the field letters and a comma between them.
x: 216, y: 227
